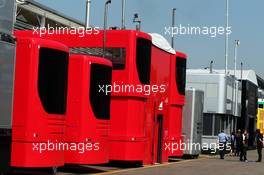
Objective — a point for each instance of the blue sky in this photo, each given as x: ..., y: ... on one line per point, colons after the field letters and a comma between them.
x: 246, y: 20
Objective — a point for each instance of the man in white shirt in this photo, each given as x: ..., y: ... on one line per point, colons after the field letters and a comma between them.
x: 222, y: 139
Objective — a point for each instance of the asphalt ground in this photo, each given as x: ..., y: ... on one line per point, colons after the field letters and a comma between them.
x: 204, y: 165
x: 207, y: 165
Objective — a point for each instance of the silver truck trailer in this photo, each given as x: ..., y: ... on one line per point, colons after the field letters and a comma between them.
x: 192, y: 122
x: 7, y: 62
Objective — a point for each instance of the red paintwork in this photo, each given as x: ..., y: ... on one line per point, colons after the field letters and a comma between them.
x: 127, y: 125
x: 81, y: 123
x: 160, y: 74
x: 134, y: 122
x: 31, y: 124
x: 176, y: 102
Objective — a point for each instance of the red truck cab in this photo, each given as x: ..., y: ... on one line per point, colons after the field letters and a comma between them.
x: 40, y: 100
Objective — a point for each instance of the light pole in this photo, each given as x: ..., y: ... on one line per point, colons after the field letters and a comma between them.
x: 105, y: 24
x: 123, y: 26
x: 211, y: 66
x: 241, y: 73
x: 226, y: 43
x: 87, y: 17
x: 226, y: 36
x: 173, y: 25
x: 237, y: 43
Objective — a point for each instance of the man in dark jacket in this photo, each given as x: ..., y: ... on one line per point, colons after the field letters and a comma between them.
x: 238, y: 143
x: 243, y: 146
x: 259, y: 138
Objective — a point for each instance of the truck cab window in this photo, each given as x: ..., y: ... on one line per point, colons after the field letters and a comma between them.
x: 181, y: 75
x: 53, y: 79
x: 143, y: 60
x: 101, y: 75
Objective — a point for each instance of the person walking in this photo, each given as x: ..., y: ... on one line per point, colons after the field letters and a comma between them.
x: 233, y: 140
x: 222, y: 139
x: 244, y: 146
x: 259, y: 138
x: 238, y: 143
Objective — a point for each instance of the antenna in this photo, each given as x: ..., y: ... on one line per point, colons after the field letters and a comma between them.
x: 226, y: 36
x: 105, y: 24
x: 211, y: 67
x: 87, y: 17
x: 123, y: 14
x: 173, y: 25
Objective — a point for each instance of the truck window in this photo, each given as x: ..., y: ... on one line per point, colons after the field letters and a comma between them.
x: 143, y: 60
x: 181, y: 75
x: 53, y: 79
x: 101, y: 75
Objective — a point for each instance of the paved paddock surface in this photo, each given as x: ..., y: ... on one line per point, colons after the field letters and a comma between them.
x: 205, y: 165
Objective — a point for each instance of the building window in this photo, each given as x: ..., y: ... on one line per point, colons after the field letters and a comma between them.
x: 217, y: 126
x: 207, y: 124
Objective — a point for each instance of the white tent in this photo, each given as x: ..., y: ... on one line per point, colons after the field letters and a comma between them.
x: 160, y: 42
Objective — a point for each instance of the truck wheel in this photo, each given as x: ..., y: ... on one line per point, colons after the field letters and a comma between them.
x: 53, y: 170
